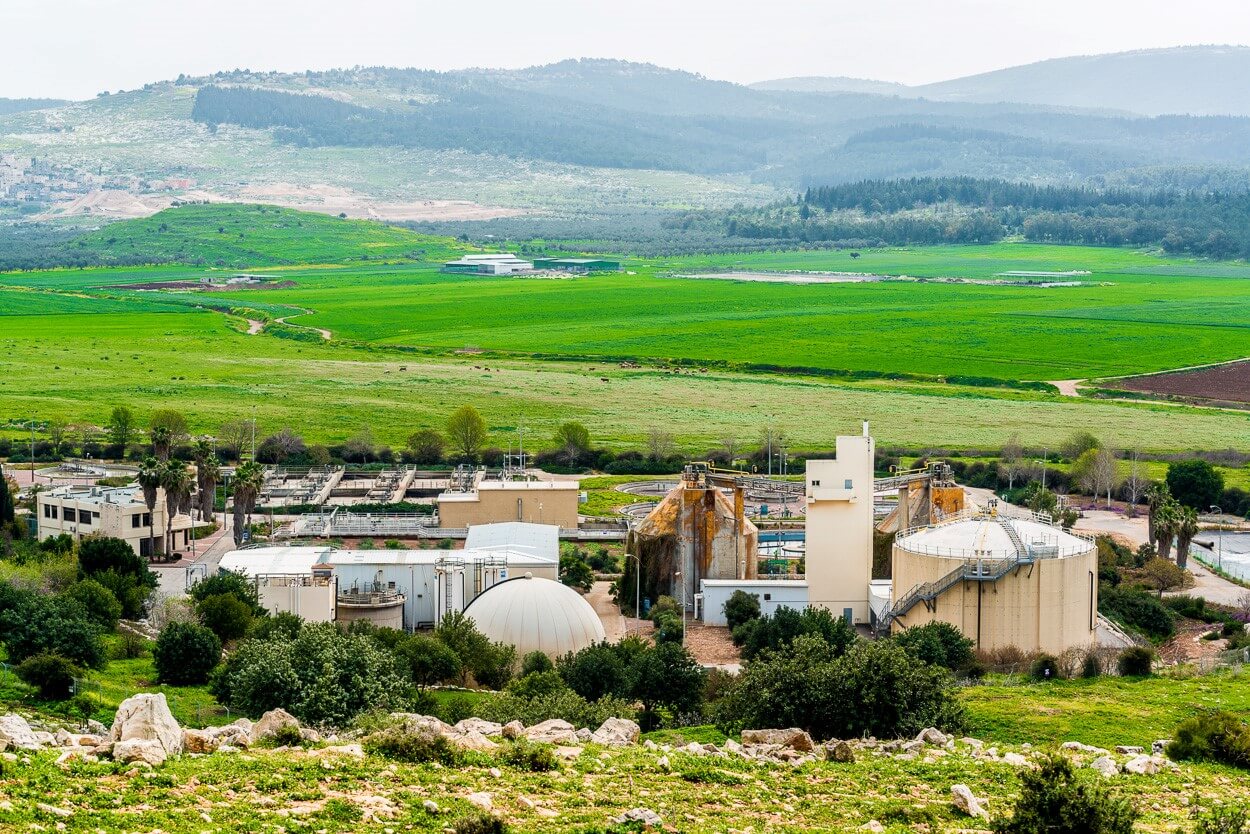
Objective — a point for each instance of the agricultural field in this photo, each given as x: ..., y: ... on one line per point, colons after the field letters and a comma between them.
x: 946, y: 363
x: 1228, y: 382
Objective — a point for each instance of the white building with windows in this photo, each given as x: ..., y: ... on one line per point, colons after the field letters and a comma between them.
x: 119, y: 512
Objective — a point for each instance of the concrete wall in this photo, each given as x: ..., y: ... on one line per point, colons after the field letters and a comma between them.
x: 538, y: 502
x: 771, y: 593
x: 383, y: 616
x: 1049, y: 606
x: 315, y: 603
x: 839, y: 528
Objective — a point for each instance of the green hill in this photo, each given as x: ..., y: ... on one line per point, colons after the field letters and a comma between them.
x: 237, y: 235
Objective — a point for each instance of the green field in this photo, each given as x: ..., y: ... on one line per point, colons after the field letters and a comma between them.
x: 810, y: 359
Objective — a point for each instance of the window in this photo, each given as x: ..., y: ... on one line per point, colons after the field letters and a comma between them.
x: 147, y: 519
x: 767, y: 597
x: 136, y: 520
x: 848, y: 484
x: 71, y: 514
x: 84, y: 516
x: 815, y: 483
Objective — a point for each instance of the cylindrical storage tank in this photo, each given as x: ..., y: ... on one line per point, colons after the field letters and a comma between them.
x: 385, y: 610
x: 536, y: 614
x: 1002, y: 581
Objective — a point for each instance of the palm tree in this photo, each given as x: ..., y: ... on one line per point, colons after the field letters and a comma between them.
x: 1186, y: 529
x: 207, y: 473
x: 150, y: 481
x: 161, y: 438
x: 177, y: 483
x: 248, y: 480
x: 1167, y: 521
x: 1157, y: 495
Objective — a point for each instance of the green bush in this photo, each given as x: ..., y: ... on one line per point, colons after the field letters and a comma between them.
x: 594, y: 672
x: 537, y: 685
x: 526, y: 755
x: 287, y: 735
x: 129, y: 646
x: 1135, y: 662
x: 1214, y: 736
x: 51, y: 674
x: 229, y: 582
x: 780, y: 629
x: 874, y: 688
x: 664, y: 605
x: 128, y: 590
x: 669, y: 628
x: 430, y: 662
x: 185, y: 653
x: 101, y: 554
x: 741, y: 607
x: 101, y: 606
x: 1054, y: 801
x: 536, y: 662
x: 1221, y: 819
x: 1045, y: 667
x: 226, y: 615
x: 322, y: 677
x: 1091, y: 666
x: 938, y: 643
x: 416, y: 747
x: 479, y: 822
x: 283, y: 625
x: 1137, y: 609
x: 32, y: 624
x: 490, y: 664
x: 667, y: 676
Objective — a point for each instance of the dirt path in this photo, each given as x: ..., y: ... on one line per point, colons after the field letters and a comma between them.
x: 254, y: 327
x: 1067, y: 387
x: 325, y: 334
x: 600, y: 599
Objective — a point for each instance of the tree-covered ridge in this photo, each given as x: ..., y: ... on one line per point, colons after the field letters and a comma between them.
x: 932, y: 210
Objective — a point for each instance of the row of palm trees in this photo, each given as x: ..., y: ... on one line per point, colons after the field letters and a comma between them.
x: 1171, y: 522
x: 186, y: 490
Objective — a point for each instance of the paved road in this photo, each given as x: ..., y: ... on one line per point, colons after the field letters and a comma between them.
x: 600, y: 599
x: 173, y: 578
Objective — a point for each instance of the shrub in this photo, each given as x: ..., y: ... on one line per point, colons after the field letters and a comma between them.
x: 667, y: 676
x: 51, y: 674
x: 185, y: 653
x: 1091, y: 666
x: 101, y: 606
x: 1221, y: 819
x: 429, y: 661
x: 417, y: 747
x: 669, y: 628
x: 100, y: 554
x: 536, y: 662
x: 938, y: 643
x: 127, y: 590
x: 874, y: 688
x: 129, y: 646
x: 1135, y: 662
x: 526, y: 755
x: 489, y: 663
x: 594, y: 672
x: 1137, y: 609
x: 741, y: 607
x: 32, y: 624
x: 1054, y: 801
x: 226, y: 615
x: 664, y: 605
x: 323, y: 676
x: 228, y: 582
x: 575, y: 571
x: 781, y: 628
x: 284, y: 625
x: 1045, y: 667
x: 537, y: 685
x: 480, y: 822
x: 1215, y: 736
x: 287, y: 735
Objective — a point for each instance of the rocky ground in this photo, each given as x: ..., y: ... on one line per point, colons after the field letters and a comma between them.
x: 146, y: 774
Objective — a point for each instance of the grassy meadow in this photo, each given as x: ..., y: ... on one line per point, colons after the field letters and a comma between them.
x: 411, y: 344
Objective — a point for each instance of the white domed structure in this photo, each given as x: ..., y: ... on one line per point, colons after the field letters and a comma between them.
x: 536, y: 615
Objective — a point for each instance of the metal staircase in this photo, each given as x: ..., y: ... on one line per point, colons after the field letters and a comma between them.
x: 1016, y: 541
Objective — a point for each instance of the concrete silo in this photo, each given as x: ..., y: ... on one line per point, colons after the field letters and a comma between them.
x: 1003, y: 582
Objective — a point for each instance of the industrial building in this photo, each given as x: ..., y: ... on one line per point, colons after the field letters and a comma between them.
x: 404, y: 588
x: 536, y: 615
x: 119, y: 512
x: 1002, y: 581
x: 577, y: 265
x: 504, y: 263
x: 476, y: 497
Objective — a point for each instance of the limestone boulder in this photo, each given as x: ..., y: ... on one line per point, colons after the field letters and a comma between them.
x: 472, y: 740
x: 140, y: 750
x: 271, y: 723
x: 964, y: 800
x: 15, y: 731
x: 199, y: 741
x: 617, y: 732
x: 552, y: 731
x: 793, y: 738
x: 1105, y: 765
x: 934, y: 736
x: 840, y: 751
x: 146, y: 717
x: 513, y: 729
x: 478, y: 725
x: 411, y: 722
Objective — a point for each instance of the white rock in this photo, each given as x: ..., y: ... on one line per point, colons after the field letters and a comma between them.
x: 1146, y: 765
x: 54, y: 810
x: 643, y: 815
x: 412, y: 722
x: 794, y: 738
x: 146, y: 717
x: 552, y: 731
x: 617, y: 732
x: 15, y: 730
x: 478, y: 725
x: 140, y: 750
x: 932, y: 735
x: 1082, y: 748
x: 1015, y: 759
x: 481, y: 799
x: 430, y: 806
x: 199, y: 741
x: 472, y: 741
x: 873, y: 826
x: 355, y: 751
x: 525, y: 802
x: 270, y: 723
x: 663, y: 763
x: 513, y: 729
x: 1129, y: 750
x: 962, y: 797
x: 974, y: 743
x: 1159, y: 747
x: 1105, y: 765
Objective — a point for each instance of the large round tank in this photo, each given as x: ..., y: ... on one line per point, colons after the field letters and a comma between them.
x: 536, y: 614
x: 1002, y: 581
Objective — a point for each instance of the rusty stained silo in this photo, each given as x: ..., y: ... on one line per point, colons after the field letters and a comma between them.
x: 698, y: 530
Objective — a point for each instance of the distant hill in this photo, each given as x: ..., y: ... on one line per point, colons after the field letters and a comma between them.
x: 834, y: 84
x: 21, y: 105
x: 235, y: 235
x: 1191, y: 80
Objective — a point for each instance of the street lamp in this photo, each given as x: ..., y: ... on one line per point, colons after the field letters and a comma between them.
x: 1219, y: 554
x: 637, y: 586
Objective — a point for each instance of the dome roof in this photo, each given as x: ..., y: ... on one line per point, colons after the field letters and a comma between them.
x: 988, y: 537
x: 536, y: 614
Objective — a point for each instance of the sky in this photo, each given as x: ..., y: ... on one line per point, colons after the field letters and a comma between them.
x: 77, y: 48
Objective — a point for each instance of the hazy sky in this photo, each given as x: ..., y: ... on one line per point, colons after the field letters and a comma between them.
x: 76, y: 48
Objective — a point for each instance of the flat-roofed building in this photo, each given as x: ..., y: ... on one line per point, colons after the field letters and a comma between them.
x: 490, y: 501
x: 577, y: 264
x: 119, y: 512
x: 503, y: 263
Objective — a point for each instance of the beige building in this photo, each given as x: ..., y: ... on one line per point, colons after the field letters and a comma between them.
x: 493, y: 501
x: 119, y: 512
x: 839, y: 528
x: 1001, y: 581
